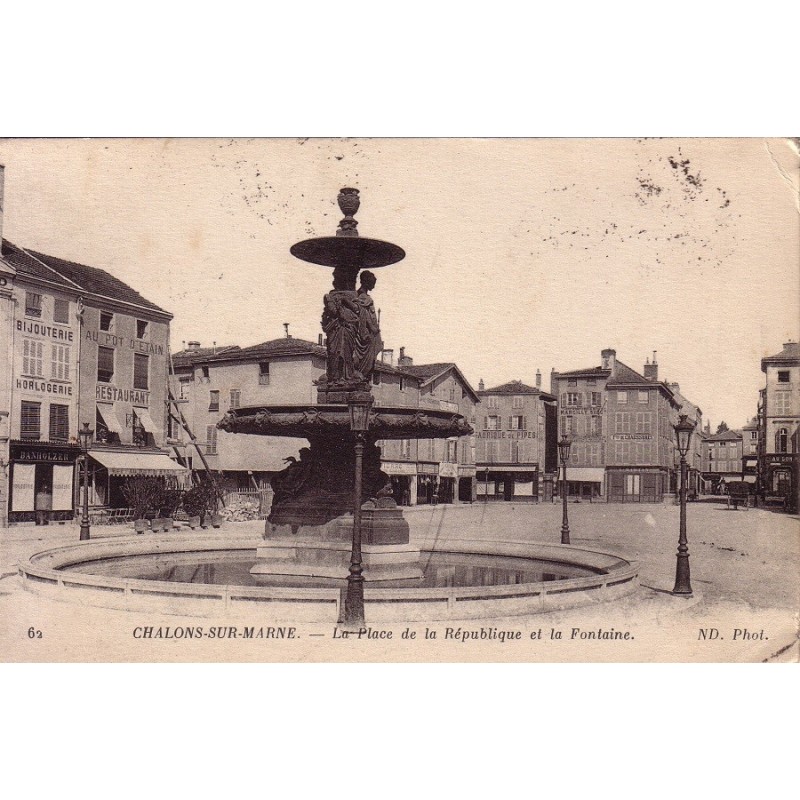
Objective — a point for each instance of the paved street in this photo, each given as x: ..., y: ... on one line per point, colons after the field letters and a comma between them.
x: 744, y: 575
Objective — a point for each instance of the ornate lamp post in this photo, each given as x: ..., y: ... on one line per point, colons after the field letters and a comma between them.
x: 564, y: 446
x: 85, y: 436
x: 358, y: 404
x: 683, y: 433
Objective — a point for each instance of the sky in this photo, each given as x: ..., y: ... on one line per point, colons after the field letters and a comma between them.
x: 521, y: 254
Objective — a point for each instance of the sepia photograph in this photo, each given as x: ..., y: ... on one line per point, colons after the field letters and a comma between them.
x: 399, y: 400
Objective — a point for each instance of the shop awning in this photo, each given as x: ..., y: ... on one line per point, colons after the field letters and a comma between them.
x: 147, y: 421
x: 588, y: 474
x: 111, y: 420
x: 136, y: 463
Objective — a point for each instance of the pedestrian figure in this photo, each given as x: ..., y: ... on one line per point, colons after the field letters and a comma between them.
x: 44, y: 504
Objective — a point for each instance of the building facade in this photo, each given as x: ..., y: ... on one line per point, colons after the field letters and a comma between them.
x: 779, y: 420
x: 724, y: 458
x: 515, y: 443
x: 621, y: 424
x: 207, y: 382
x: 83, y: 347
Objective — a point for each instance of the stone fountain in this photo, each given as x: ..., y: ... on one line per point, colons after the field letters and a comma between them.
x: 311, y: 522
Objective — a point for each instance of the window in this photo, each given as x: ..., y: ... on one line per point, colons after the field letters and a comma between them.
x: 452, y: 393
x: 263, y: 374
x: 643, y: 421
x: 783, y: 403
x: 596, y: 426
x: 204, y: 372
x: 59, y: 363
x: 183, y: 390
x: 141, y: 328
x: 632, y: 484
x: 139, y: 431
x: 516, y: 423
x: 105, y: 364
x: 106, y: 321
x: 213, y: 400
x: 61, y: 311
x: 517, y: 402
x: 754, y: 434
x: 32, y: 361
x: 622, y: 397
x: 622, y: 422
x: 141, y: 368
x: 235, y: 398
x: 597, y: 399
x: 573, y: 399
x: 643, y: 397
x: 781, y: 441
x: 59, y: 423
x: 493, y: 423
x: 492, y: 402
x: 515, y: 452
x: 30, y: 420
x: 783, y: 376
x: 211, y: 440
x: 405, y: 449
x: 402, y: 384
x: 567, y: 427
x: 452, y: 451
x: 33, y: 304
x: 572, y: 382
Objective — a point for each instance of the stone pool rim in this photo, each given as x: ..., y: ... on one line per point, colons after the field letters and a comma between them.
x: 44, y: 573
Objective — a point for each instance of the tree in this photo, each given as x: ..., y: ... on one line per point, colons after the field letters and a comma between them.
x: 722, y: 427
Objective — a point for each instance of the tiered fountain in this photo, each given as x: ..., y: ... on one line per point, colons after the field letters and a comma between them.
x: 313, y: 512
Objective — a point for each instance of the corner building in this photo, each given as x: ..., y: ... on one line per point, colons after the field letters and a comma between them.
x: 621, y: 426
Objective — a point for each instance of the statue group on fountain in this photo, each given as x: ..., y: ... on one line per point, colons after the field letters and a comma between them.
x: 350, y: 322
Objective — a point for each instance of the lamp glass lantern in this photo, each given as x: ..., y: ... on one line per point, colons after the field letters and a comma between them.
x: 683, y: 433
x: 85, y: 436
x: 359, y: 413
x: 564, y: 446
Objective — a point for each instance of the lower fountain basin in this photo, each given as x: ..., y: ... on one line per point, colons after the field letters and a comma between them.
x: 522, y: 584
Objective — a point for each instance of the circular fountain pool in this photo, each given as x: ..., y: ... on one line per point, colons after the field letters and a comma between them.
x: 206, y: 574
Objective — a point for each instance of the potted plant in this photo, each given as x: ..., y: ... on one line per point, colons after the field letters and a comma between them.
x: 194, y: 504
x: 142, y: 494
x: 170, y: 503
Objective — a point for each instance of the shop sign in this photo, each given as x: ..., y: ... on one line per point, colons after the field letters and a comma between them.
x: 402, y: 468
x: 625, y: 437
x: 448, y: 469
x: 506, y: 435
x: 47, y: 387
x: 427, y: 469
x: 466, y: 472
x: 777, y: 459
x: 111, y: 394
x: 44, y: 455
x: 111, y: 340
x: 47, y: 331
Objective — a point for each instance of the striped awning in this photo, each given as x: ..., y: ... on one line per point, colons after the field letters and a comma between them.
x: 136, y: 463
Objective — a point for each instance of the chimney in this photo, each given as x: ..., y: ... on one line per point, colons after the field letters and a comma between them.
x: 538, y: 379
x: 193, y: 345
x: 481, y: 385
x: 553, y: 377
x: 2, y: 181
x: 708, y: 427
x: 214, y: 348
x: 387, y: 357
x: 404, y: 360
x: 676, y: 387
x: 319, y: 339
x: 609, y: 359
x: 651, y: 370
x: 286, y: 328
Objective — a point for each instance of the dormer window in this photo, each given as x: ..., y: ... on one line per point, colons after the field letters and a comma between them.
x: 106, y: 321
x: 141, y: 328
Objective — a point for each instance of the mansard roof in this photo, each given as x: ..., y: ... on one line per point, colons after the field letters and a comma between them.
x: 73, y: 277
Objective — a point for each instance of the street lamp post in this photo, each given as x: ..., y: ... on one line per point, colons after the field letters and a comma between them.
x: 564, y: 446
x: 359, y: 404
x: 85, y: 436
x: 683, y: 433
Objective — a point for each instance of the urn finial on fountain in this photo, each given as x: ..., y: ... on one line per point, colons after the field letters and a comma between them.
x: 348, y: 203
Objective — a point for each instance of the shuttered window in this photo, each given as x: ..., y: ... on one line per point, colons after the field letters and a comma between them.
x: 105, y: 364
x: 59, y: 362
x: 59, y: 423
x: 33, y: 304
x: 30, y: 422
x: 141, y: 368
x: 32, y: 360
x: 211, y: 440
x: 61, y: 311
x: 235, y: 398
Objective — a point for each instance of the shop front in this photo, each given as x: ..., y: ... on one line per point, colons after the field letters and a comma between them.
x: 510, y: 485
x: 448, y: 478
x: 586, y: 483
x: 109, y: 469
x: 427, y: 484
x: 41, y: 481
x: 636, y: 485
x: 403, y: 477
